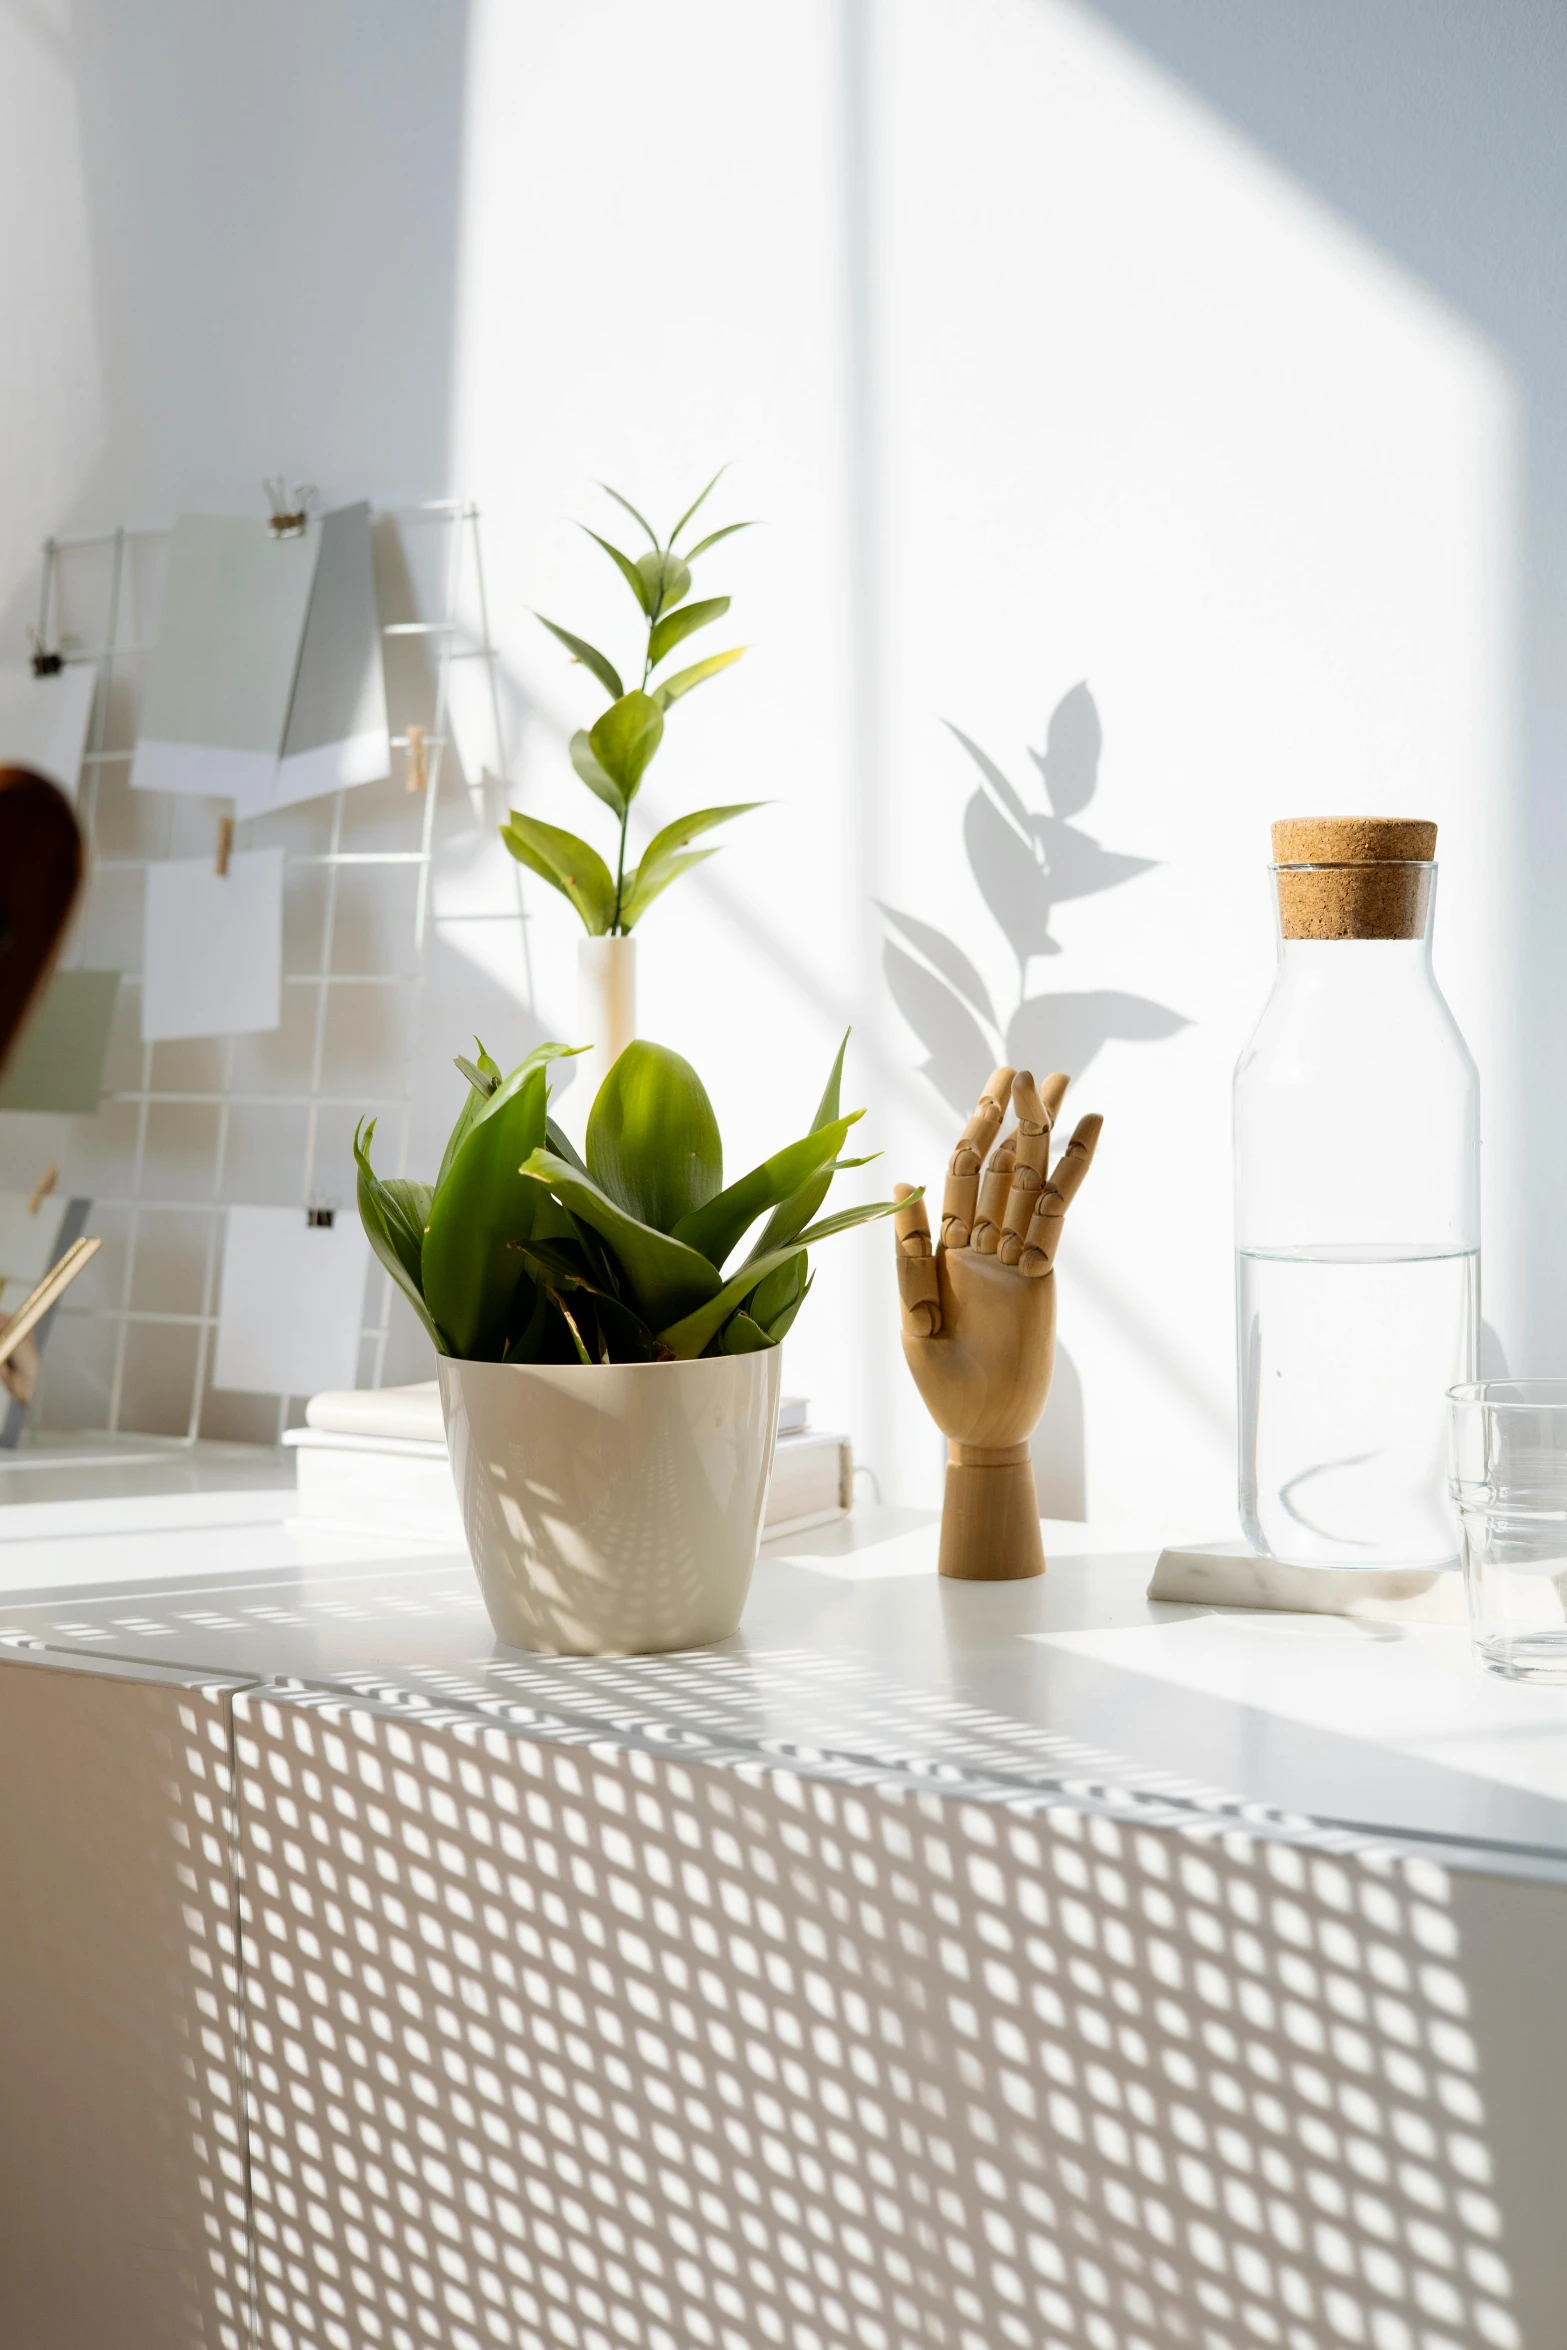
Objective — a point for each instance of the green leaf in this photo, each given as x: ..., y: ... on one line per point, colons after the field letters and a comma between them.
x: 636, y: 902
x: 652, y: 1139
x: 718, y: 1226
x: 625, y: 738
x: 742, y: 1337
x: 783, y: 1321
x: 666, y: 579
x: 628, y: 570
x: 662, y: 1277
x: 674, y: 630
x: 713, y: 538
x: 570, y: 1320
x: 631, y: 510
x: 591, y: 658
x: 562, y: 1145
x: 396, y: 1238
x: 780, y: 1290
x: 692, y: 1335
x: 482, y: 1211
x: 697, y: 501
x: 794, y: 1214
x: 482, y: 1082
x: 567, y: 864
x: 661, y: 862
x: 698, y: 674
x: 593, y: 774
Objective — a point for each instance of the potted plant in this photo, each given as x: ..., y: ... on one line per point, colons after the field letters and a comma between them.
x: 611, y: 757
x: 608, y: 1356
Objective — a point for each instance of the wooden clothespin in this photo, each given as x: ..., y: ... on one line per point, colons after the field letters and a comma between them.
x: 42, y: 1188
x: 290, y: 507
x: 225, y: 844
x: 418, y: 758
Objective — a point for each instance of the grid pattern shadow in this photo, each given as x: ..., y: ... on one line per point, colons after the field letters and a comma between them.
x: 566, y: 2042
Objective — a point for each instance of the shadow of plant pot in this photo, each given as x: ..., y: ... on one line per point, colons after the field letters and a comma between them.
x: 613, y: 1509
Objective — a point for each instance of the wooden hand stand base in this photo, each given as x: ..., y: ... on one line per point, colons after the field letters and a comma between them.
x: 990, y: 1517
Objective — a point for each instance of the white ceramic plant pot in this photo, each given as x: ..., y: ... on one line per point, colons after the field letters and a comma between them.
x: 606, y: 1021
x: 613, y: 1508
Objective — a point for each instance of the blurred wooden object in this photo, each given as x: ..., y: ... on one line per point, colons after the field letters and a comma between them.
x: 40, y: 875
x: 979, y: 1317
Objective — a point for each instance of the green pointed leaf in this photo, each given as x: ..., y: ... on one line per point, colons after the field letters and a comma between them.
x: 699, y: 500
x: 637, y: 902
x: 591, y: 658
x: 482, y: 1211
x: 390, y: 1228
x: 698, y: 674
x: 661, y: 861
x: 792, y: 1216
x: 593, y: 774
x: 562, y: 1145
x: 631, y: 510
x: 717, y: 1227
x: 694, y: 1333
x: 742, y: 1337
x: 652, y: 1139
x: 662, y: 1276
x: 483, y: 1080
x: 666, y: 579
x: 713, y: 538
x: 780, y: 1290
x: 625, y: 738
x: 778, y: 1325
x: 627, y: 569
x: 674, y: 630
x: 567, y: 864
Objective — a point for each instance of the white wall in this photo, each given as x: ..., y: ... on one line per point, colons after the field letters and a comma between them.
x: 1046, y: 354
x: 1039, y: 373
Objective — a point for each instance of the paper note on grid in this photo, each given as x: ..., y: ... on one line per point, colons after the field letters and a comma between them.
x: 212, y: 962
x: 43, y: 721
x: 221, y: 678
x: 29, y: 1238
x: 292, y: 1302
x: 58, y: 1062
x: 337, y: 734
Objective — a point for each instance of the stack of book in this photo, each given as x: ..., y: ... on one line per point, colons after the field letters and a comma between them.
x: 376, y: 1458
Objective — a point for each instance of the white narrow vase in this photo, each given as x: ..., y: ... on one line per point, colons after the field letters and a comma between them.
x: 613, y: 1509
x: 606, y: 1020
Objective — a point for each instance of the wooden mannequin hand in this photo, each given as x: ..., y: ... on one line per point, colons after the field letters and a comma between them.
x: 979, y: 1315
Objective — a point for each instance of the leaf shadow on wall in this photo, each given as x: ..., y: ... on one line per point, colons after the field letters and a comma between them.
x: 1028, y: 856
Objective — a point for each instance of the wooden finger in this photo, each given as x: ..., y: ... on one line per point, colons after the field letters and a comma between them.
x: 994, y: 1186
x: 1052, y: 1093
x: 1032, y: 1164
x: 963, y: 1171
x: 1044, y: 1231
x: 919, y: 1283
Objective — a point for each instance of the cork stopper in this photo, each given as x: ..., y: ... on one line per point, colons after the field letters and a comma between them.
x: 1354, y: 876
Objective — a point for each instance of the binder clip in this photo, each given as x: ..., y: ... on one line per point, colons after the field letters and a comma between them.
x: 45, y: 663
x: 320, y: 1218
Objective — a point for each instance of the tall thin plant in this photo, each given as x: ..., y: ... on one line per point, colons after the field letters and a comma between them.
x: 613, y: 755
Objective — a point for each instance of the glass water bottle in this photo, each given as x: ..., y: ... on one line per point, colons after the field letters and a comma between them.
x: 1357, y: 1209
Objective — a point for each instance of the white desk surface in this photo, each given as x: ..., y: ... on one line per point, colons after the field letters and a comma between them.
x: 852, y: 1650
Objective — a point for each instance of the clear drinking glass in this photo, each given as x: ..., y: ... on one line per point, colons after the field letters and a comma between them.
x: 1507, y: 1455
x: 1357, y: 1210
